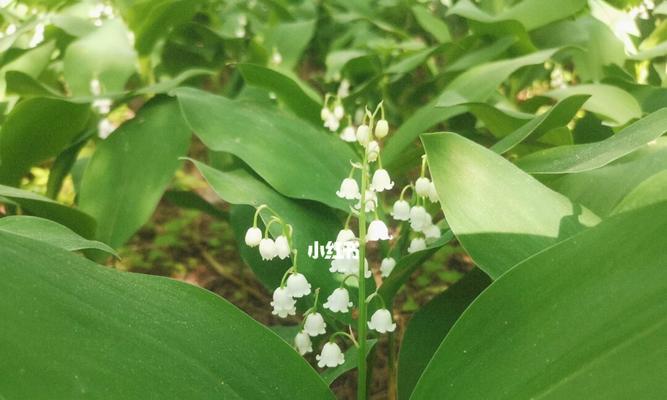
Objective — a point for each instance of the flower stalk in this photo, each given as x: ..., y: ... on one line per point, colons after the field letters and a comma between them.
x: 363, y: 307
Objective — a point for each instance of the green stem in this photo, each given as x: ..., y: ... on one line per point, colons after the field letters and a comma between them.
x: 361, y: 323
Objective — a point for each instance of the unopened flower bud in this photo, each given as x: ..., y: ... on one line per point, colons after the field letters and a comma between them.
x: 386, y: 266
x: 363, y: 134
x: 348, y: 134
x: 422, y: 186
x: 381, y: 129
x: 253, y: 236
x: 416, y: 244
x: 401, y: 210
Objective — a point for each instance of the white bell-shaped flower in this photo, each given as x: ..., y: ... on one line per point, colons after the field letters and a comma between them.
x: 331, y: 356
x: 253, y: 236
x: 381, y: 129
x: 267, y: 249
x: 422, y: 186
x: 302, y: 343
x: 371, y: 201
x: 433, y: 194
x: 339, y: 112
x: 332, y: 123
x: 386, y: 266
x: 348, y: 134
x: 325, y: 113
x: 345, y: 235
x: 373, y: 151
x: 363, y: 134
x: 349, y: 189
x: 381, y: 181
x: 283, y: 304
x: 381, y: 321
x: 349, y: 266
x: 314, y: 325
x: 297, y: 285
x: 282, y: 247
x: 416, y: 244
x: 401, y: 210
x: 420, y: 219
x: 344, y: 265
x: 432, y: 232
x: 338, y: 301
x: 377, y: 230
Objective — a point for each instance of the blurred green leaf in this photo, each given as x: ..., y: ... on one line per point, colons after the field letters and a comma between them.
x: 129, y: 171
x: 106, y: 55
x: 614, y: 104
x: 26, y: 140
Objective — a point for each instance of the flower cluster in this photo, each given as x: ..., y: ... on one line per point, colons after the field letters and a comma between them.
x: 364, y: 186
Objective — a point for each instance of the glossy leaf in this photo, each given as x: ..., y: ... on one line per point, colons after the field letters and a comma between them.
x: 602, y: 189
x: 527, y: 216
x: 585, y: 157
x: 295, y: 158
x: 285, y: 88
x: 429, y: 326
x: 652, y: 190
x: 50, y: 232
x: 129, y: 172
x: 67, y: 317
x: 549, y: 328
x: 557, y: 116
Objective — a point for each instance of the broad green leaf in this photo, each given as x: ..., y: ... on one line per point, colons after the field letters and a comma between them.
x: 128, y: 173
x: 584, y: 319
x: 530, y: 13
x: 478, y: 83
x: 26, y: 140
x: 614, y: 104
x: 32, y: 62
x: 289, y: 39
x: 294, y: 157
x: 483, y: 55
x: 557, y: 116
x: 351, y: 359
x: 652, y: 190
x: 41, y: 206
x: 312, y: 223
x: 50, y: 232
x: 286, y: 89
x: 474, y: 183
x: 429, y: 326
x: 75, y: 330
x: 105, y: 54
x: 25, y: 85
x: 585, y: 157
x: 431, y: 24
x: 602, y: 189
